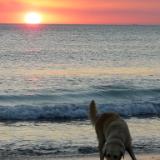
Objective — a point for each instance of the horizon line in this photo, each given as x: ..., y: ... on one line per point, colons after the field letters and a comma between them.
x: 80, y: 24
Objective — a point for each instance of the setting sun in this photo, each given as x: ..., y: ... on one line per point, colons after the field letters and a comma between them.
x: 33, y: 18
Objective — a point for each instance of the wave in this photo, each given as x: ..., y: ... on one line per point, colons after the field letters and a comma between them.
x: 74, y: 112
x: 115, y: 90
x: 95, y: 91
x: 26, y: 97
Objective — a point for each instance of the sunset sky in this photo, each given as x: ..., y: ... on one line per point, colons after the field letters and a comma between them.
x: 82, y: 11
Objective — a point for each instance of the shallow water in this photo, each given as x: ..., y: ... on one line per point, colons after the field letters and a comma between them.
x: 71, y: 138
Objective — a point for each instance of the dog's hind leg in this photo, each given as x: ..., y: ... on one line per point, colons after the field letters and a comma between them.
x: 100, y: 147
x: 101, y: 141
x: 101, y: 156
x: 131, y: 153
x: 101, y: 151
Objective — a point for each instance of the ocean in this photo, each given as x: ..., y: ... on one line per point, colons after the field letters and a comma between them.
x: 50, y: 73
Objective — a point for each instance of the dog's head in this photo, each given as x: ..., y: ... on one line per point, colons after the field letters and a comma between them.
x: 113, y: 151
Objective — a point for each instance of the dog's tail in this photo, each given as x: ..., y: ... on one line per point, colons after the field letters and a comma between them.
x: 93, y: 112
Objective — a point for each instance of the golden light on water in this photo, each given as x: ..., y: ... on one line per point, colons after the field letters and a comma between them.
x: 89, y: 71
x: 98, y: 72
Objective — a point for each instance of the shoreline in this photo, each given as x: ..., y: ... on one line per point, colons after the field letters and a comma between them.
x: 146, y: 156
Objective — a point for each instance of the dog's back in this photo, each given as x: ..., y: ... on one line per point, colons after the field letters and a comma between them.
x: 107, y: 122
x: 101, y: 122
x: 103, y: 119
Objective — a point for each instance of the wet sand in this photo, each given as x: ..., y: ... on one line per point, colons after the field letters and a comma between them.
x: 88, y: 157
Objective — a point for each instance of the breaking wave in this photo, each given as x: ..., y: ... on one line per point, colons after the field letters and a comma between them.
x: 74, y: 112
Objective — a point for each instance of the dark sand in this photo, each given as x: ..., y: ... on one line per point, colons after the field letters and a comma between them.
x: 89, y: 157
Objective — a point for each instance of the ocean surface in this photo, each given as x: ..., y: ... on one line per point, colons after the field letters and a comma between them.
x: 50, y: 73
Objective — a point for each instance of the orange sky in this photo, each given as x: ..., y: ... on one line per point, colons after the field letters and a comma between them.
x: 83, y: 11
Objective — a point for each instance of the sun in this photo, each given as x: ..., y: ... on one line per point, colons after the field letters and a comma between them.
x: 33, y: 18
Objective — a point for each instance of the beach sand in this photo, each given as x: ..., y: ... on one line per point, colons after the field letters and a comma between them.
x: 89, y: 157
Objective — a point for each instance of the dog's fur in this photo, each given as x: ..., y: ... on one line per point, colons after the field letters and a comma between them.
x: 112, y: 134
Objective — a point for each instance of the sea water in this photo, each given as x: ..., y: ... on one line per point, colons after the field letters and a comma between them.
x: 50, y: 73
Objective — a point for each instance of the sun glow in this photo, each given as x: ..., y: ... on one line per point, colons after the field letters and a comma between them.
x: 33, y: 18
